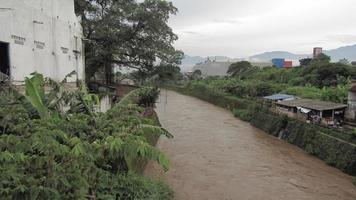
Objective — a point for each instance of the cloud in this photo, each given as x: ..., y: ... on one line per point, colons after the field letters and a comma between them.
x: 344, y: 38
x: 227, y: 21
x: 239, y: 28
x: 191, y: 32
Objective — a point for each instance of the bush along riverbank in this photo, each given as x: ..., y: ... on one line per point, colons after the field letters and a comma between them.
x: 336, y: 148
x: 51, y: 153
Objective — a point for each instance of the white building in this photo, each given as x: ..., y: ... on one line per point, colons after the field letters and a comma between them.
x: 220, y: 68
x: 40, y: 35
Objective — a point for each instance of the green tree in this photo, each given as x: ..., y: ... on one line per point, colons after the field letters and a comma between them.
x: 238, y: 68
x: 197, y: 73
x: 305, y: 61
x: 321, y: 59
x: 127, y: 33
x: 167, y: 72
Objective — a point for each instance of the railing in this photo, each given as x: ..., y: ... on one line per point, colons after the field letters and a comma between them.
x: 4, y: 77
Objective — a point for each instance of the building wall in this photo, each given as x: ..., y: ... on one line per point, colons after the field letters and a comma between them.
x: 43, y: 36
x: 288, y: 64
x: 285, y: 111
x: 351, y: 112
x: 317, y: 51
x: 278, y: 62
x: 217, y: 68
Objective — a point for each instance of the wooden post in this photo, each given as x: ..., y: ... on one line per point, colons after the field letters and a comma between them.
x: 333, y: 116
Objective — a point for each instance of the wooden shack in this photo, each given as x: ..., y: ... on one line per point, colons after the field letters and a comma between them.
x: 314, y: 111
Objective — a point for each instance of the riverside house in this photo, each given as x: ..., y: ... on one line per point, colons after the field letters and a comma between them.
x: 314, y: 111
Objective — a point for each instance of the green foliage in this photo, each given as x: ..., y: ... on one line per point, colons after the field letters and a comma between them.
x: 197, y: 72
x: 319, y: 80
x: 79, y: 156
x: 321, y: 142
x: 305, y: 61
x: 35, y: 93
x: 239, y: 68
x: 148, y: 96
x: 243, y: 114
x: 57, y: 99
x: 304, y: 92
x: 133, y: 187
x: 145, y: 96
x: 82, y: 101
x: 166, y: 73
x: 131, y: 34
x: 270, y: 123
x: 321, y: 59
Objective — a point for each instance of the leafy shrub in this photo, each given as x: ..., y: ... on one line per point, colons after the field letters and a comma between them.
x: 145, y: 96
x: 148, y: 96
x: 244, y: 114
x: 317, y: 141
x: 270, y: 123
x: 78, y: 156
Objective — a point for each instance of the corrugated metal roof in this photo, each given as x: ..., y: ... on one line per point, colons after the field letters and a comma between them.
x: 279, y: 97
x: 312, y: 104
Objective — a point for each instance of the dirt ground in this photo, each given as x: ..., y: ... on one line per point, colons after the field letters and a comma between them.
x: 216, y: 156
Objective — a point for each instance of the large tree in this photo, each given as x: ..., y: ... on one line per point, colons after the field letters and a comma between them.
x: 238, y: 68
x: 127, y: 33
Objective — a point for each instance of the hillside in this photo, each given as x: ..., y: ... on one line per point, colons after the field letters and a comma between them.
x: 277, y: 54
x: 348, y: 52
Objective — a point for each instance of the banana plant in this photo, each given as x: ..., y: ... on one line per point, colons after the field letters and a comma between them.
x: 58, y: 100
x: 35, y: 94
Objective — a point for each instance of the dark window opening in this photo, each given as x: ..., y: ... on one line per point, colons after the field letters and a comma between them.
x: 4, y: 58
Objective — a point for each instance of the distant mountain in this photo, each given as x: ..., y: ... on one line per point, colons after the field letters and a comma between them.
x: 348, y: 52
x: 188, y: 62
x: 277, y: 54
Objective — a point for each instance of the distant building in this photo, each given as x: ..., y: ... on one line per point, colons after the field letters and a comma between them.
x: 217, y: 68
x: 283, y: 63
x: 353, y: 63
x: 288, y: 64
x: 351, y: 101
x: 40, y: 35
x: 278, y: 62
x: 317, y: 51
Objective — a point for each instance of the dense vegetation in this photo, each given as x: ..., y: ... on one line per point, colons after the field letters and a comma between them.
x: 127, y: 33
x: 319, y: 80
x: 54, y: 146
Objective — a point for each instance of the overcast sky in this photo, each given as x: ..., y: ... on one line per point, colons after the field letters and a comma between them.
x: 241, y: 28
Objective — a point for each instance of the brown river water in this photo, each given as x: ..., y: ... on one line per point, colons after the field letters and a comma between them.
x: 216, y: 156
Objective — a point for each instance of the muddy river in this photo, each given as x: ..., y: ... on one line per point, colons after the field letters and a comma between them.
x: 216, y: 156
